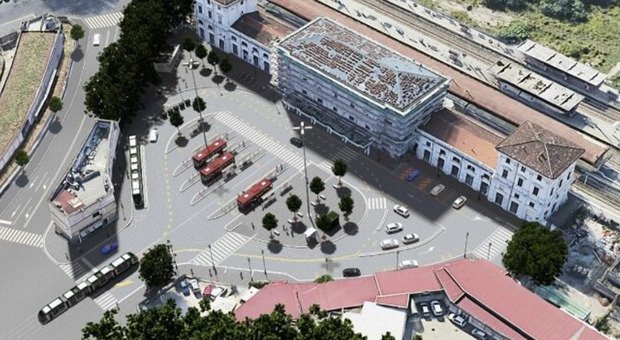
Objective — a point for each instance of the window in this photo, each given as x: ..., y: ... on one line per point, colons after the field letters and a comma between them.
x: 535, y: 191
x: 499, y: 198
x: 242, y: 2
x: 507, y: 160
x: 265, y: 56
x: 97, y: 214
x: 568, y: 176
x: 200, y: 9
x: 539, y: 178
x: 208, y: 2
x: 471, y: 168
x: 304, y: 92
x: 352, y: 106
x: 442, y: 152
x: 551, y: 191
x: 532, y: 204
x: 522, y: 169
x: 210, y: 27
x: 561, y: 181
x: 485, y: 176
x: 388, y: 122
x: 505, y: 173
x: 351, y: 118
x: 219, y: 19
x: 335, y: 109
x: 210, y: 14
x: 335, y: 95
x: 456, y: 160
x: 234, y: 38
x: 517, y: 196
x: 200, y: 22
x: 428, y: 143
x: 514, y: 207
x: 520, y: 182
x: 319, y: 100
x: 243, y: 43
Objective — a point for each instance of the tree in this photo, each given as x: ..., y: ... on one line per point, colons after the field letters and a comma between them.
x: 317, y: 186
x: 570, y: 10
x: 346, y: 205
x: 270, y: 222
x: 324, y: 278
x: 293, y: 203
x: 22, y: 158
x: 323, y: 223
x: 339, y: 169
x: 164, y: 322
x: 225, y: 65
x: 536, y: 252
x: 77, y: 32
x: 388, y: 336
x: 502, y: 5
x: 106, y: 328
x: 189, y: 45
x: 201, y: 53
x: 199, y: 104
x: 176, y: 119
x: 156, y: 266
x: 213, y: 58
x: 55, y: 104
x: 516, y: 31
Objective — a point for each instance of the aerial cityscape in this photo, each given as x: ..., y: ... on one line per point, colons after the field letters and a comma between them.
x: 310, y: 169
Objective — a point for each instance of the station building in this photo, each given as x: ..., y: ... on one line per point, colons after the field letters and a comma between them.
x: 84, y: 201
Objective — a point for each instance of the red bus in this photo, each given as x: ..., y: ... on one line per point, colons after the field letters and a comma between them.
x: 209, y: 151
x: 215, y: 168
x: 253, y: 194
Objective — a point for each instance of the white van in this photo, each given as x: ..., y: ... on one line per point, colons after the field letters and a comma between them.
x: 153, y: 135
x: 96, y: 39
x: 404, y: 264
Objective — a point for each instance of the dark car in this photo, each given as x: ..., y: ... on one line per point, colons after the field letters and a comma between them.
x: 349, y: 272
x: 296, y: 141
x: 412, y: 175
x: 184, y: 287
x: 109, y: 248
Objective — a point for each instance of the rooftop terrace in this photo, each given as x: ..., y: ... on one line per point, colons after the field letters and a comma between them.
x: 361, y: 64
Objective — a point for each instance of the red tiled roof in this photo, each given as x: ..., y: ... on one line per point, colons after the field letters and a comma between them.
x: 64, y: 199
x: 397, y: 300
x: 412, y: 281
x: 488, y: 319
x: 450, y: 286
x: 265, y: 300
x: 339, y: 294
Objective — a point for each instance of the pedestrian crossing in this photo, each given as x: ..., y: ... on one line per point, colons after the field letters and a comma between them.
x: 376, y: 203
x: 494, y: 244
x: 273, y: 147
x: 104, y: 20
x: 20, y: 236
x: 346, y: 154
x: 327, y: 166
x: 106, y: 301
x: 76, y: 270
x: 221, y: 249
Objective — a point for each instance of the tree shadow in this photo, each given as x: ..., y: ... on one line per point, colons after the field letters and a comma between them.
x: 275, y: 246
x: 299, y: 227
x: 343, y: 192
x: 230, y: 86
x: 181, y: 141
x: 333, y: 231
x: 205, y: 72
x: 328, y: 247
x: 321, y: 209
x: 22, y: 180
x: 55, y: 127
x: 77, y: 54
x: 350, y: 228
x: 218, y: 79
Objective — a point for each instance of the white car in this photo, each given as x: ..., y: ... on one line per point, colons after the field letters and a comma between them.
x: 218, y: 291
x: 478, y: 333
x: 389, y: 243
x: 96, y: 39
x: 408, y: 264
x: 153, y: 135
x: 457, y: 320
x: 437, y: 189
x: 410, y: 238
x: 393, y: 227
x: 459, y: 202
x: 425, y: 311
x: 436, y: 306
x: 194, y: 286
x: 402, y: 211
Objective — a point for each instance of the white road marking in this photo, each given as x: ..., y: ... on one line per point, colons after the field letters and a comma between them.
x: 22, y: 237
x: 6, y: 222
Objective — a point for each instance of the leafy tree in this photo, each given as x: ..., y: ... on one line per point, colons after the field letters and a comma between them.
x: 388, y: 336
x: 106, y: 328
x: 324, y: 278
x: 77, y: 32
x: 156, y: 266
x: 225, y: 65
x: 536, y: 252
x: 293, y: 203
x: 189, y: 44
x: 270, y: 222
x: 323, y: 222
x: 346, y: 205
x: 213, y: 58
x: 55, y: 104
x: 22, y: 158
x: 501, y: 5
x: 201, y: 53
x: 317, y: 186
x: 164, y: 322
x: 176, y: 119
x: 570, y: 10
x: 199, y: 104
x: 339, y: 169
x: 515, y: 31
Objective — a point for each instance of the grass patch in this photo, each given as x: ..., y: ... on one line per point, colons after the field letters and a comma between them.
x: 464, y: 18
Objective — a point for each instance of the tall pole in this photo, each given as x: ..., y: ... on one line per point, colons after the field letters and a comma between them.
x: 301, y: 129
x: 262, y: 252
x: 489, y: 252
x: 190, y: 65
x: 397, y: 255
x: 212, y: 262
x: 466, y: 239
x: 326, y: 265
x: 250, y: 265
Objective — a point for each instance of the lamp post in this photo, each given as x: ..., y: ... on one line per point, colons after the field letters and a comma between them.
x: 466, y: 239
x: 190, y: 65
x: 174, y: 256
x: 397, y: 255
x: 489, y: 252
x: 262, y: 252
x: 212, y: 262
x: 302, y: 128
x: 250, y: 265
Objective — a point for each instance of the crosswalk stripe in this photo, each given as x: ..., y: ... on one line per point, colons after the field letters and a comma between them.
x: 376, y: 203
x: 498, y: 241
x: 20, y: 236
x: 106, y: 301
x: 221, y: 249
x: 104, y: 20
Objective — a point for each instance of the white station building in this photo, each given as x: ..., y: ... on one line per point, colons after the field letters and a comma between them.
x: 84, y: 201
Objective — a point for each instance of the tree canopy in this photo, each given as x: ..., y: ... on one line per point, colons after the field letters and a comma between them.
x: 213, y: 58
x: 339, y: 169
x: 21, y: 158
x: 166, y: 322
x: 55, y: 104
x: 346, y: 205
x: 156, y: 266
x: 537, y: 253
x: 225, y: 65
x: 176, y: 119
x: 201, y: 52
x: 199, y: 104
x: 77, y: 32
x: 270, y: 221
x: 189, y: 44
x: 317, y: 186
x: 293, y: 203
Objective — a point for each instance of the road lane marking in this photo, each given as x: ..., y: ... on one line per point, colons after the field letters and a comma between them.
x: 6, y: 222
x: 21, y: 237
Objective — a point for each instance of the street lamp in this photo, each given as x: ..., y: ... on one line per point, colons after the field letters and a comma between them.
x: 301, y: 128
x: 489, y: 252
x: 174, y: 256
x: 262, y: 252
x: 397, y: 255
x: 250, y: 265
x: 190, y: 65
x: 466, y: 238
x: 212, y: 262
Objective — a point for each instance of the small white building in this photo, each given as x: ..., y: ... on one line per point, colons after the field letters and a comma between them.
x: 84, y: 201
x: 528, y: 173
x: 373, y: 321
x: 240, y: 27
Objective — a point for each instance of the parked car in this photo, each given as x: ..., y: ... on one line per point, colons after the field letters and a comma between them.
x: 109, y: 248
x: 297, y: 142
x: 96, y: 39
x: 478, y: 333
x: 393, y: 227
x: 426, y: 312
x: 459, y: 202
x: 402, y: 211
x: 206, y: 293
x: 436, y: 306
x: 193, y: 284
x: 437, y: 189
x: 457, y: 320
x: 404, y: 264
x: 218, y: 291
x: 153, y: 135
x: 350, y: 272
x: 389, y: 243
x: 412, y: 175
x: 410, y: 238
x: 184, y: 287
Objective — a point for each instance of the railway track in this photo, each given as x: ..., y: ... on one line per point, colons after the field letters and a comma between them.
x: 587, y: 109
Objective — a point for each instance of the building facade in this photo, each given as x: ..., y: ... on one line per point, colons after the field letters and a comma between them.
x: 84, y: 201
x: 364, y: 92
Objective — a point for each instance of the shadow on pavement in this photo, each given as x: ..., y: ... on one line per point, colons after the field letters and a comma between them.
x: 181, y: 141
x: 343, y: 192
x: 275, y: 246
x: 328, y: 247
x: 55, y: 126
x: 350, y: 228
x: 22, y: 180
x: 77, y: 54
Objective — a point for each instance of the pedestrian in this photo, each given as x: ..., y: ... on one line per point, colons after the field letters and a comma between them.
x: 253, y: 228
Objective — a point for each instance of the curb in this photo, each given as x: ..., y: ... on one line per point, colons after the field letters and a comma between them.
x: 416, y: 246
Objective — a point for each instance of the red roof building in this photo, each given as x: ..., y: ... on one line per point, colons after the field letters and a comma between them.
x: 476, y: 287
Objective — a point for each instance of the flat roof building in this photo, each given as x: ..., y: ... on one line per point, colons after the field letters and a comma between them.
x: 84, y: 201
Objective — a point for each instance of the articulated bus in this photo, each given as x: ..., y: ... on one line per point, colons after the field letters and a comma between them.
x: 135, y: 166
x: 87, y: 287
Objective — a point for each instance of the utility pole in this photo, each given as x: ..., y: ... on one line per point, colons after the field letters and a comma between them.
x: 250, y: 265
x: 302, y: 128
x: 212, y: 262
x: 466, y: 239
x: 489, y: 252
x: 397, y: 255
x: 262, y: 252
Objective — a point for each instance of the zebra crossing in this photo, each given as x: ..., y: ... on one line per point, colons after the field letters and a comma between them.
x: 496, y: 241
x: 345, y: 154
x: 104, y: 20
x: 273, y: 147
x: 106, y: 301
x: 20, y: 236
x: 376, y: 203
x: 76, y: 270
x: 326, y: 165
x: 221, y: 249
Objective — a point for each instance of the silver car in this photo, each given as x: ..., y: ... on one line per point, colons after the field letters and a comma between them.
x: 402, y: 211
x: 410, y: 238
x: 393, y: 227
x: 389, y: 243
x: 437, y: 189
x: 459, y: 202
